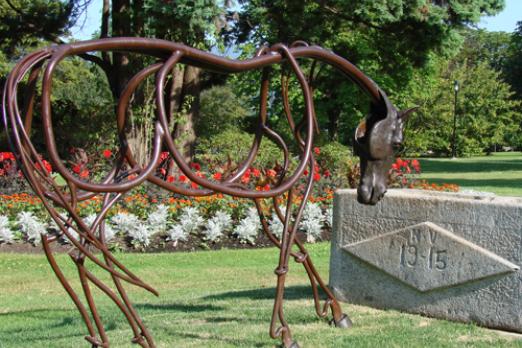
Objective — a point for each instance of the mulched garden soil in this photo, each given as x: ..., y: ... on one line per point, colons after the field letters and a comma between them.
x: 158, y: 245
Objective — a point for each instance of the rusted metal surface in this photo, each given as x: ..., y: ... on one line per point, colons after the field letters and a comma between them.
x: 374, y: 143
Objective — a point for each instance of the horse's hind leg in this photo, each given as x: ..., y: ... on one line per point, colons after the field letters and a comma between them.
x: 79, y: 261
x: 95, y: 342
x: 130, y: 313
x: 302, y: 256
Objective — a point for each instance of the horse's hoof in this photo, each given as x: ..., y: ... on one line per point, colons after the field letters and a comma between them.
x: 343, y: 323
x: 294, y: 344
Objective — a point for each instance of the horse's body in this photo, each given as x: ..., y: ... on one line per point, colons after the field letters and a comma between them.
x: 374, y: 143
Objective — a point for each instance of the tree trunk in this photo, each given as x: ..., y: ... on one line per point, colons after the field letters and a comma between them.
x: 188, y: 108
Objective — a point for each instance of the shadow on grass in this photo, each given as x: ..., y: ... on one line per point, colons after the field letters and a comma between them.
x: 177, y: 307
x: 451, y: 166
x: 300, y: 292
x: 234, y: 342
x: 500, y: 183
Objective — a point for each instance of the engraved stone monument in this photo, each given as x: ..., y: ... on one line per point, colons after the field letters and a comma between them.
x: 443, y: 255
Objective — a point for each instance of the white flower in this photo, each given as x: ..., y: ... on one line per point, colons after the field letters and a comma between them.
x: 157, y: 220
x: 312, y: 222
x: 31, y: 226
x: 248, y: 227
x: 6, y: 235
x: 177, y: 233
x: 141, y: 234
x: 328, y: 216
x: 223, y: 219
x: 130, y: 224
x: 276, y: 226
x: 215, y: 227
x: 190, y: 219
x: 125, y: 222
x: 109, y: 231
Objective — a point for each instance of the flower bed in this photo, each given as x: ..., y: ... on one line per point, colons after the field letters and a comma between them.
x: 148, y: 219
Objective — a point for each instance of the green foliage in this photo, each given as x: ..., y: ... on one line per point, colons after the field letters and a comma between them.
x: 220, y: 110
x: 339, y: 160
x: 82, y: 106
x: 487, y: 113
x: 513, y: 63
x: 187, y: 21
x: 24, y: 22
x: 233, y: 145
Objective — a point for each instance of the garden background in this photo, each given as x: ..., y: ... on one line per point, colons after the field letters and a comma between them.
x: 416, y: 51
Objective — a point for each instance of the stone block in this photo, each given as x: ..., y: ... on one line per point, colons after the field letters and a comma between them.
x: 444, y: 255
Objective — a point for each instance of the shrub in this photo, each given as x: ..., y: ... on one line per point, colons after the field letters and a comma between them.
x: 232, y: 146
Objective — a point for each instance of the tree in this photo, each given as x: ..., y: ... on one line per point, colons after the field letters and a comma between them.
x: 187, y: 21
x: 387, y: 39
x: 513, y: 63
x: 34, y: 20
x: 486, y: 112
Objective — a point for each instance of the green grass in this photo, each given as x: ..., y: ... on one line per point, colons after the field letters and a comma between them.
x: 500, y: 173
x: 209, y: 299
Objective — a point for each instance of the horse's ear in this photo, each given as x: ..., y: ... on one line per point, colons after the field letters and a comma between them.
x: 360, y: 132
x: 404, y: 114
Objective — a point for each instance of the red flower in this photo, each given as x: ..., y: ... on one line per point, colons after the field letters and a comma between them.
x: 416, y: 165
x: 327, y: 173
x: 317, y: 150
x: 4, y: 156
x: 164, y: 155
x: 395, y: 166
x: 107, y: 153
x: 305, y: 172
x: 317, y: 177
x: 195, y: 166
x: 194, y: 185
x: 217, y: 176
x: 77, y: 169
x: 170, y: 178
x: 256, y: 172
x: 182, y: 178
x: 163, y: 171
x: 399, y: 162
x: 47, y: 166
x: 266, y: 187
x: 245, y: 179
x: 84, y: 174
x: 271, y: 173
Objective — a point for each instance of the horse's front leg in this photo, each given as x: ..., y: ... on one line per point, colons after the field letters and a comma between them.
x: 282, y: 331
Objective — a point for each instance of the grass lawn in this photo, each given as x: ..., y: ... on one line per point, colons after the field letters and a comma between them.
x: 209, y: 299
x: 500, y: 173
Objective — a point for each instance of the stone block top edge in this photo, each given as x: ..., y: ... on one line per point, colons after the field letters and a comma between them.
x: 441, y: 196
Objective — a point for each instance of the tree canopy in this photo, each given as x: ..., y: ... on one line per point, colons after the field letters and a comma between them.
x: 414, y: 50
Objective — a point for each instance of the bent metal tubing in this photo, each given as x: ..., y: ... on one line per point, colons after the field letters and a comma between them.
x: 118, y: 180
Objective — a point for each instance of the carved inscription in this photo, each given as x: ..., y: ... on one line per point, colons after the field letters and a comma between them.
x: 426, y: 256
x: 413, y: 253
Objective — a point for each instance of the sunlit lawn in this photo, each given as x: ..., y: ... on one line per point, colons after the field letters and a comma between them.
x: 209, y: 299
x: 500, y: 173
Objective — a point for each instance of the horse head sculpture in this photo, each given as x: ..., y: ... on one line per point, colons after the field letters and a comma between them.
x: 376, y: 140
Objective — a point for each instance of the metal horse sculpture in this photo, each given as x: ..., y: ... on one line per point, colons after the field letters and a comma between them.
x: 375, y: 141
